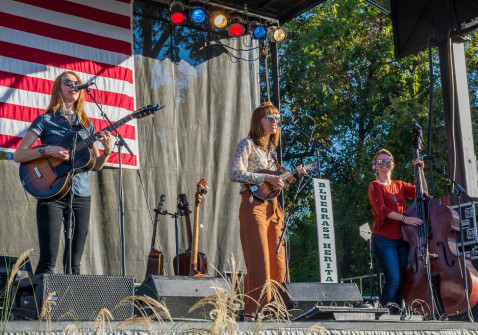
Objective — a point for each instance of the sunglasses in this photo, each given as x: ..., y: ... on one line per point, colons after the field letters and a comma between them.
x: 386, y: 160
x: 70, y: 83
x: 271, y: 118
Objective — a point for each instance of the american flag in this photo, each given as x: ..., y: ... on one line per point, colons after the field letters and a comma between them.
x: 39, y: 39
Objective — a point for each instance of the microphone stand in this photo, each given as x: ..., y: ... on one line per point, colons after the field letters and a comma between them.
x: 317, y: 146
x: 120, y: 142
x: 69, y: 224
x: 284, y: 237
x: 459, y: 191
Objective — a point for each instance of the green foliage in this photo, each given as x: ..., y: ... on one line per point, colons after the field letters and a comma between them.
x: 338, y: 67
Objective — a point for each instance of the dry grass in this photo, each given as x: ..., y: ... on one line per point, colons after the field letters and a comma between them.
x: 103, y: 321
x: 316, y: 329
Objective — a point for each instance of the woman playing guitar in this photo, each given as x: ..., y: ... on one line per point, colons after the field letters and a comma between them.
x: 64, y: 115
x: 260, y: 220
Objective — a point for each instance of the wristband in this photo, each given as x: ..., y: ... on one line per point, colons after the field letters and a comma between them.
x: 403, y: 219
x: 106, y: 155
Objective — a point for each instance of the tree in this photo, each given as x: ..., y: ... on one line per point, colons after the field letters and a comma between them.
x: 338, y: 67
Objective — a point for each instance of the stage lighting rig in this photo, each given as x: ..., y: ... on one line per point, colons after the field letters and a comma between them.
x: 236, y: 26
x: 177, y: 13
x: 276, y: 34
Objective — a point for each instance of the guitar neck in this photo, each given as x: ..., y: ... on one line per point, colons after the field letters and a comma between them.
x: 188, y: 227
x: 289, y: 174
x: 153, y: 238
x: 194, y: 247
x: 112, y: 127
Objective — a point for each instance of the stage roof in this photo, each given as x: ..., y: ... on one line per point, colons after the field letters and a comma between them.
x: 281, y: 10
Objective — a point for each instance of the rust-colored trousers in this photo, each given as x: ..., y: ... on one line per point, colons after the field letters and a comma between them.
x: 261, y: 227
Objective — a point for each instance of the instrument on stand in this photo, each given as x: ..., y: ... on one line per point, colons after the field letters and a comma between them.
x: 185, y: 257
x: 155, y: 258
x: 435, y: 272
x: 201, y: 191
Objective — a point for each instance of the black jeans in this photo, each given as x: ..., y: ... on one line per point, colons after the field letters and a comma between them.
x: 50, y: 221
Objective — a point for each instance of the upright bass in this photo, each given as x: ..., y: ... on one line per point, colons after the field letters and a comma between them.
x: 434, y: 276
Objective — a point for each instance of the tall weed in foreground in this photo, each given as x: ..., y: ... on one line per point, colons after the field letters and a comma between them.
x: 7, y: 295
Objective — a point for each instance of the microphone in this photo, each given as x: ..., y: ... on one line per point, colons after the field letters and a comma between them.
x: 83, y: 86
x: 287, y: 120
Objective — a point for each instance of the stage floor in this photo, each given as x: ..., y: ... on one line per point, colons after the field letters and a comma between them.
x: 379, y: 327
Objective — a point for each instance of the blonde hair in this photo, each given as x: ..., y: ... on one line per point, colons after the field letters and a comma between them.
x: 56, y: 100
x: 256, y: 132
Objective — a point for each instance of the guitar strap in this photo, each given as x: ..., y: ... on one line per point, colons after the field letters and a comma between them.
x: 278, y: 166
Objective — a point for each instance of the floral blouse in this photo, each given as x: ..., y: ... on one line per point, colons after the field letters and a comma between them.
x: 250, y: 158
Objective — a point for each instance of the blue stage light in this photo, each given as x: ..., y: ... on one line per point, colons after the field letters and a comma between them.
x: 259, y: 32
x: 198, y: 15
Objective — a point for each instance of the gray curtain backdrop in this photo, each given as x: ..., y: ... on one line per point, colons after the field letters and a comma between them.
x: 208, y: 108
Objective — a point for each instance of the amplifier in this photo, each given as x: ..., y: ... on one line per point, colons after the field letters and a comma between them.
x: 469, y: 211
x: 73, y: 297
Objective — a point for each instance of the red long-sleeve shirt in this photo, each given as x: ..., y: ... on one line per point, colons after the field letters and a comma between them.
x: 382, y: 199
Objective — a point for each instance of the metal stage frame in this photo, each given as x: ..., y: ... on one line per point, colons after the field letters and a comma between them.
x: 379, y: 327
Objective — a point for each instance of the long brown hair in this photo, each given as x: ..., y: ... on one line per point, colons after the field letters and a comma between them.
x: 56, y: 100
x: 256, y: 132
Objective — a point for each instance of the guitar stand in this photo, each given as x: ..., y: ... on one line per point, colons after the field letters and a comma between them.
x: 175, y: 216
x: 69, y: 222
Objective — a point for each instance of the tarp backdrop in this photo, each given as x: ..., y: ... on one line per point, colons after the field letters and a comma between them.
x: 209, y: 96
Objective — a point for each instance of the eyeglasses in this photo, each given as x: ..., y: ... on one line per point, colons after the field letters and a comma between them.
x: 70, y: 83
x: 386, y: 160
x: 271, y: 118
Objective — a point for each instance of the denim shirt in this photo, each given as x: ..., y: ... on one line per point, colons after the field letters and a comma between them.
x: 50, y: 129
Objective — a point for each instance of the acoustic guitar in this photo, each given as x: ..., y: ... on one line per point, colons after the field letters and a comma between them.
x: 155, y: 257
x: 48, y: 178
x: 201, y: 191
x: 267, y: 191
x: 185, y: 257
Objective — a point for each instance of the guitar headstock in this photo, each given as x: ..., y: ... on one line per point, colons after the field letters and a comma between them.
x: 162, y: 199
x: 183, y: 204
x: 201, y: 190
x: 145, y: 111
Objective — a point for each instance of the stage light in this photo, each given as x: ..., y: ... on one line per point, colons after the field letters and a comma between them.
x: 257, y: 30
x: 236, y: 26
x: 219, y: 20
x: 176, y: 13
x: 276, y: 34
x: 198, y: 14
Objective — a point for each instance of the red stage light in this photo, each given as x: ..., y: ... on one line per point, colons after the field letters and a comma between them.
x: 177, y: 13
x: 236, y: 29
x: 178, y: 18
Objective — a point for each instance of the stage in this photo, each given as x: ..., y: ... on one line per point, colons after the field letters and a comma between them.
x: 392, y: 327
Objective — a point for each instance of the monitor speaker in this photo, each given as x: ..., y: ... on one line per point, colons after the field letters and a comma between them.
x: 180, y: 293
x: 73, y: 297
x: 306, y: 296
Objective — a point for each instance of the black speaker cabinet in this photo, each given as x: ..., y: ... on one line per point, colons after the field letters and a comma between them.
x: 180, y: 293
x: 305, y: 296
x: 6, y: 265
x: 75, y: 297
